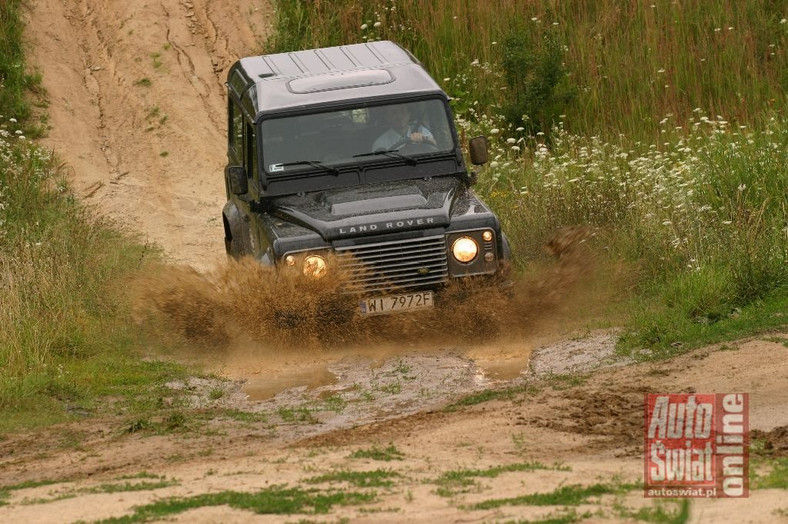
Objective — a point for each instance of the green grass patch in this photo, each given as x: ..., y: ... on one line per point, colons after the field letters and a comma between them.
x: 666, y: 335
x: 453, y: 482
x: 275, y: 500
x: 386, y: 454
x: 489, y: 395
x: 777, y: 476
x: 361, y: 479
x: 67, y: 341
x: 653, y: 62
x: 300, y: 415
x: 564, y: 496
x: 661, y: 512
x: 245, y: 416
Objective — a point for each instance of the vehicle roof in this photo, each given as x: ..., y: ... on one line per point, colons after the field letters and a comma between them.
x: 283, y: 81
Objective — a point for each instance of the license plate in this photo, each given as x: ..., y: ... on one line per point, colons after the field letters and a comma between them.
x: 396, y: 303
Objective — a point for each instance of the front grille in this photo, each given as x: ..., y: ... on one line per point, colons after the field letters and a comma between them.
x: 395, y: 265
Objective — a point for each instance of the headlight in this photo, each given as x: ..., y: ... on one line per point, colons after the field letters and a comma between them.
x: 315, y: 266
x: 465, y: 249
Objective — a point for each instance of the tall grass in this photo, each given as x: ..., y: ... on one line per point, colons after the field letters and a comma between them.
x: 629, y: 63
x: 659, y: 127
x: 65, y: 332
x: 702, y: 218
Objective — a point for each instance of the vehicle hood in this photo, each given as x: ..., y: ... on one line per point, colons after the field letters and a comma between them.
x: 372, y: 209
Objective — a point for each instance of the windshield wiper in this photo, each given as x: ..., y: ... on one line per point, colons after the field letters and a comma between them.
x: 391, y: 153
x: 314, y: 163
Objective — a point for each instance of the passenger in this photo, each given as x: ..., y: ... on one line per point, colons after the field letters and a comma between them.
x: 402, y: 129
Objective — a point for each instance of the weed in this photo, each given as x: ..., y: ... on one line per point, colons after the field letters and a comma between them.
x: 245, y: 416
x: 300, y: 415
x: 375, y: 453
x: 156, y: 57
x: 460, y: 481
x: 143, y: 82
x: 216, y: 393
x: 361, y: 479
x: 334, y: 403
x: 493, y: 394
x: 776, y: 478
x: 175, y: 421
x: 573, y: 495
x: 660, y: 513
x: 392, y: 388
x: 274, y: 500
x: 135, y: 426
x: 561, y: 382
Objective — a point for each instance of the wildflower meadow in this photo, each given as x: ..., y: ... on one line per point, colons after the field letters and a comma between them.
x: 659, y: 126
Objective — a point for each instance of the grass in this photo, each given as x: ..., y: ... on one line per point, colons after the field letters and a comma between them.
x: 275, y: 500
x: 671, y: 154
x: 777, y: 476
x: 662, y: 512
x: 386, y: 454
x: 573, y: 495
x: 67, y: 339
x: 460, y: 481
x: 300, y: 415
x: 489, y: 395
x: 361, y: 479
x: 624, y: 68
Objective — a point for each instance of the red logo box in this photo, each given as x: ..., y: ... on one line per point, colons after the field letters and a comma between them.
x: 696, y: 445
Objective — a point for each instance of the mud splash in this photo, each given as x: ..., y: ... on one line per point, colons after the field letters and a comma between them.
x: 278, y: 329
x: 241, y: 302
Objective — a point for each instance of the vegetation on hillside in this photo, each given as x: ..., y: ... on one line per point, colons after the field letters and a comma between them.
x: 657, y: 126
x: 603, y: 67
x: 66, y: 336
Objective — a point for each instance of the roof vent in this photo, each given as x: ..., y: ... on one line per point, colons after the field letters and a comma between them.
x: 344, y: 80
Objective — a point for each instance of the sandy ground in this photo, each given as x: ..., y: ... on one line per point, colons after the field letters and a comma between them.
x: 137, y: 116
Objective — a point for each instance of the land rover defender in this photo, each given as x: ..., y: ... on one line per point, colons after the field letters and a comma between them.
x: 347, y: 159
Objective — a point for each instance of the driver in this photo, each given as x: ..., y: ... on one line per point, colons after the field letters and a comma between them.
x: 402, y: 129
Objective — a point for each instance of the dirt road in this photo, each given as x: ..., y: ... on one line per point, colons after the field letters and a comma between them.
x: 137, y: 114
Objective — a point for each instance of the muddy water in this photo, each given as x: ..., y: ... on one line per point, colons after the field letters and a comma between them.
x: 264, y: 386
x: 288, y: 337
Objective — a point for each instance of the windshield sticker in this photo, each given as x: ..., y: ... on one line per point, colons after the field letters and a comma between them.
x: 275, y: 168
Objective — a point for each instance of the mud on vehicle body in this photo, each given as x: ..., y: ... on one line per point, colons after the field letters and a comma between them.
x: 309, y: 184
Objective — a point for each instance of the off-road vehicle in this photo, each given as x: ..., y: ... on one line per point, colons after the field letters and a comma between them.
x: 318, y: 179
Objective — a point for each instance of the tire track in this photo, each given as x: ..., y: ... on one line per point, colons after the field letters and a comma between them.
x: 137, y: 109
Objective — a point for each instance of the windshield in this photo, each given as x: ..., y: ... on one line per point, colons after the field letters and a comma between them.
x: 322, y: 140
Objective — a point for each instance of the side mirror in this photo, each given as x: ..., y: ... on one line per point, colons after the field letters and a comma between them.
x: 236, y: 175
x: 477, y: 146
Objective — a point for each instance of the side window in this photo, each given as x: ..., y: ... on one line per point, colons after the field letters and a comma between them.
x: 251, y: 148
x: 236, y: 131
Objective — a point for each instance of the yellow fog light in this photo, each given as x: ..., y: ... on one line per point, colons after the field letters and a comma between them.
x: 487, y: 236
x: 290, y: 260
x: 464, y: 249
x: 315, y: 266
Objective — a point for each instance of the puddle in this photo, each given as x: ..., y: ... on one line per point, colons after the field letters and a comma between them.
x: 497, y: 370
x: 267, y: 386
